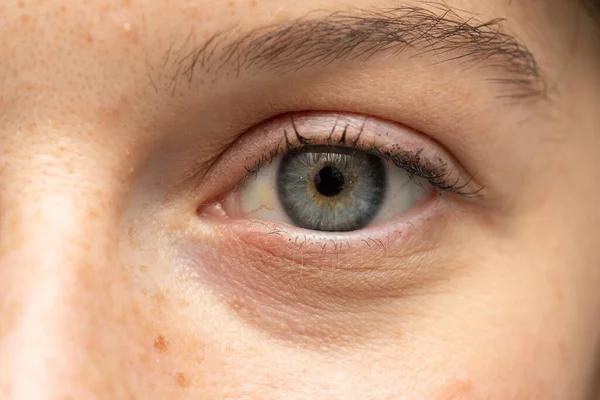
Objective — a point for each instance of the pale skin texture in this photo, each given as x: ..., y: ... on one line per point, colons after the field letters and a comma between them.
x: 112, y: 286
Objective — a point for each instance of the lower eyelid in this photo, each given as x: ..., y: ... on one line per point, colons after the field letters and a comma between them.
x: 372, y: 263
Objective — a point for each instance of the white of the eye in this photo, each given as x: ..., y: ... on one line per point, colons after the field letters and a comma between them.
x: 259, y: 199
x: 402, y: 193
x: 258, y: 196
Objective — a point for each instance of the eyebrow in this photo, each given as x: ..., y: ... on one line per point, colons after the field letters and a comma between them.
x: 316, y: 41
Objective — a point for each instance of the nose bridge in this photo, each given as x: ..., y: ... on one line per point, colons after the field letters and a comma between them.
x: 58, y: 268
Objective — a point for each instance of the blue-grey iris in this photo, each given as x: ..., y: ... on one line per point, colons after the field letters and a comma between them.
x: 331, y: 188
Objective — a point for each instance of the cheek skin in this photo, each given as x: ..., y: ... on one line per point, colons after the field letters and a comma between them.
x: 75, y: 320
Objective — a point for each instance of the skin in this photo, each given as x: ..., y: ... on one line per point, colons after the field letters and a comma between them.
x: 112, y: 285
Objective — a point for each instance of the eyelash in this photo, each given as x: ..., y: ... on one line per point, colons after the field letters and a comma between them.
x: 438, y: 176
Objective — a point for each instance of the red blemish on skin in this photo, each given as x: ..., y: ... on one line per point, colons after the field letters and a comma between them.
x: 181, y: 380
x: 161, y: 345
x: 457, y: 390
x: 130, y: 33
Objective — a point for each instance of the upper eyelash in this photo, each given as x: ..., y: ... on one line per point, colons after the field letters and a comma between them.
x: 438, y: 176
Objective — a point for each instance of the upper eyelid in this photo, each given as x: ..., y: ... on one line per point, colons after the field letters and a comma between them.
x: 311, y: 41
x: 317, y: 128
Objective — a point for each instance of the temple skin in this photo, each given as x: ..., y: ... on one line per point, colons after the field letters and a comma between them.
x: 121, y: 277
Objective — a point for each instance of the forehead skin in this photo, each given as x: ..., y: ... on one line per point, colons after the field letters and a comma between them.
x: 108, y: 289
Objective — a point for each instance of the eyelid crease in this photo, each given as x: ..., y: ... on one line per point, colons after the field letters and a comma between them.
x: 435, y: 30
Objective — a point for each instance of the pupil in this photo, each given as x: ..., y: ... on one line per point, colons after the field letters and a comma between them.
x: 329, y: 181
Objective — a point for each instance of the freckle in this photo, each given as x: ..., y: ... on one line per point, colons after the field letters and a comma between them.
x: 143, y: 268
x: 181, y: 379
x: 25, y: 18
x: 127, y: 3
x: 253, y: 3
x: 21, y: 4
x: 235, y: 305
x: 144, y: 292
x: 231, y: 4
x: 161, y: 345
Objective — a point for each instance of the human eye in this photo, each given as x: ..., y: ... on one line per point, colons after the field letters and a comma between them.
x: 339, y: 173
x: 310, y: 212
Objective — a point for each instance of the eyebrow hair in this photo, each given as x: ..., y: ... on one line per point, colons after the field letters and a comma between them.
x: 309, y: 41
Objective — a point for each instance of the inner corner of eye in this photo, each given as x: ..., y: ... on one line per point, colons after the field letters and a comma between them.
x: 211, y: 210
